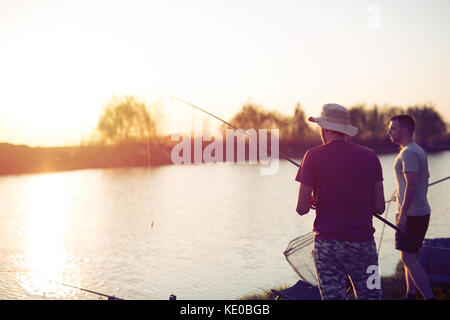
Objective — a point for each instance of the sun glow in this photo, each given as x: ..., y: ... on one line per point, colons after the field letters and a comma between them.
x: 61, y: 61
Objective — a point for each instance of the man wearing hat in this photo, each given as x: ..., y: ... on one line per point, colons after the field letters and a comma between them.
x: 344, y: 183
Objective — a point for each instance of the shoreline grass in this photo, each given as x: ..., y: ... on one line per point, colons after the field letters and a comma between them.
x: 393, y: 287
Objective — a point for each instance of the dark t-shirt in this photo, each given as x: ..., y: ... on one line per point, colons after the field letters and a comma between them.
x: 342, y: 175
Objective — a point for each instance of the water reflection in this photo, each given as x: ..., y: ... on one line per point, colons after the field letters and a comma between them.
x: 219, y: 231
x: 46, y: 207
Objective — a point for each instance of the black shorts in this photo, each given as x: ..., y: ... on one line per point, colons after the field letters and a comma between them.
x: 417, y: 226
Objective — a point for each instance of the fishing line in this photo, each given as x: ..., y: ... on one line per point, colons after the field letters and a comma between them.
x: 149, y: 166
x: 384, y: 225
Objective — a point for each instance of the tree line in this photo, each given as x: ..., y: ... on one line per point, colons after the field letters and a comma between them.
x: 297, y: 133
x: 127, y: 120
x: 128, y: 134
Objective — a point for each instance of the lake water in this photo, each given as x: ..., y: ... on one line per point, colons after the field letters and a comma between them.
x: 196, y: 231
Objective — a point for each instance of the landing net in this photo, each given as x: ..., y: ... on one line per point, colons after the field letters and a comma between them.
x: 298, y: 255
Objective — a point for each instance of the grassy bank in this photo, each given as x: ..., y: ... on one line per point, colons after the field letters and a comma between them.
x: 21, y: 159
x: 393, y: 287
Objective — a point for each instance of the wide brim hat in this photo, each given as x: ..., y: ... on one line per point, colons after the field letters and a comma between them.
x: 335, y: 117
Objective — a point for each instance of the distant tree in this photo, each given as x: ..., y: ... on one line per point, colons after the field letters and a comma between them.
x: 359, y: 119
x: 253, y: 116
x: 250, y: 116
x: 372, y: 123
x: 390, y: 111
x: 429, y: 123
x: 300, y: 127
x: 281, y: 122
x: 125, y: 119
x: 376, y: 123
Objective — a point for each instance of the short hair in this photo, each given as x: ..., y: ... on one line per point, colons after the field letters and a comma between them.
x: 406, y: 121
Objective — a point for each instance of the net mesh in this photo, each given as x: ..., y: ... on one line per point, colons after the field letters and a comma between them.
x: 298, y: 255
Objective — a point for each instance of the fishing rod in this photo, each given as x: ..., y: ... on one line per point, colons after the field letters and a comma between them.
x: 410, y: 236
x: 429, y: 185
x: 67, y: 285
x: 86, y: 290
x: 440, y: 180
x: 284, y: 156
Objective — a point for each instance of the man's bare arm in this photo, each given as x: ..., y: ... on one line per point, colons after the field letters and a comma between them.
x: 408, y: 198
x: 304, y: 199
x: 379, y: 202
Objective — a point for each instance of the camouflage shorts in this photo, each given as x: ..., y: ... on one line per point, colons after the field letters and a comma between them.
x: 336, y: 261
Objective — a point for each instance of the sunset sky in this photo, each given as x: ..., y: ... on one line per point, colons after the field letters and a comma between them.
x: 61, y: 61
